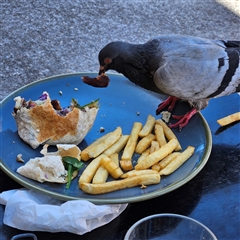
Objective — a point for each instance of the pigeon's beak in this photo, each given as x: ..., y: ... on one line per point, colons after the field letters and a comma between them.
x: 102, y: 70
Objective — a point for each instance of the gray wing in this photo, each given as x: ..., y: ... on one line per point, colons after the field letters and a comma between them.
x: 194, y: 68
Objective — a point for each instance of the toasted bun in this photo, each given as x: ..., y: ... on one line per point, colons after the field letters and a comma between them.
x: 42, y: 124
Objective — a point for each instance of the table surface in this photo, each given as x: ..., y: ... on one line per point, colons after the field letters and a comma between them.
x: 212, y: 197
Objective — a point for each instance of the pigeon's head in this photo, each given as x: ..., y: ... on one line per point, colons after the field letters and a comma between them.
x: 131, y: 60
x: 110, y: 55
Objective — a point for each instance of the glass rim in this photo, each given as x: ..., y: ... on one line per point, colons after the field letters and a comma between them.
x: 173, y: 215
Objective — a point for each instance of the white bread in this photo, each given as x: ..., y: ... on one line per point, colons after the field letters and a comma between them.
x: 50, y: 167
x: 44, y: 169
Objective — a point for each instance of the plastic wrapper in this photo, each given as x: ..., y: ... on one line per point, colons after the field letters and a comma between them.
x: 33, y: 211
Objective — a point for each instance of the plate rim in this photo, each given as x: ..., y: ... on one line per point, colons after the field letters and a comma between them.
x: 139, y: 198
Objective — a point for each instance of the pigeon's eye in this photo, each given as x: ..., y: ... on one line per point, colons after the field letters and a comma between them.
x: 107, y: 60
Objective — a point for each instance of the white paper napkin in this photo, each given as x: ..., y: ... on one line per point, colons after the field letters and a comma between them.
x: 30, y: 210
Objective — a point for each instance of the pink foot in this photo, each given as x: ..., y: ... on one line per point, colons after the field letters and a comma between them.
x: 170, y: 101
x: 183, y: 120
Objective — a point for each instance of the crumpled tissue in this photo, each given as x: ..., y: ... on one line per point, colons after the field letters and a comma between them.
x: 30, y: 210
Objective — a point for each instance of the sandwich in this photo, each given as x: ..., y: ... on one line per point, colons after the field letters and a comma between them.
x: 44, y: 121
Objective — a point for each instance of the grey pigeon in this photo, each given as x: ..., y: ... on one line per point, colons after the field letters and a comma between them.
x: 184, y: 67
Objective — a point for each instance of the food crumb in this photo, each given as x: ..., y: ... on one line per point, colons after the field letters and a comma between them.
x: 19, y: 158
x: 102, y: 129
x: 76, y: 89
x: 143, y: 186
x: 60, y: 92
x: 166, y: 116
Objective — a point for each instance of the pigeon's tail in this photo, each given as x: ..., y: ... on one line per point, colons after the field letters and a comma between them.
x: 232, y: 44
x: 236, y: 46
x: 230, y: 82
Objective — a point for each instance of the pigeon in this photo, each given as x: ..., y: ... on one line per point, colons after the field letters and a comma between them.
x: 187, y: 68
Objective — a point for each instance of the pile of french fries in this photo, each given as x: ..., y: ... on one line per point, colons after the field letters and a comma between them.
x: 160, y: 153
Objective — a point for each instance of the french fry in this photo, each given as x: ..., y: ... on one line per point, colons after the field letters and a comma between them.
x: 144, y: 143
x: 132, y: 141
x: 158, y: 155
x: 114, y: 158
x: 90, y: 170
x: 126, y: 165
x: 155, y: 167
x: 148, y: 126
x: 84, y: 153
x: 154, y: 146
x: 106, y: 143
x: 159, y: 133
x: 134, y: 173
x: 111, y: 167
x: 117, y: 146
x: 178, y: 161
x: 165, y: 161
x: 101, y: 175
x: 229, y: 119
x: 147, y: 179
x: 144, y: 155
x: 168, y: 133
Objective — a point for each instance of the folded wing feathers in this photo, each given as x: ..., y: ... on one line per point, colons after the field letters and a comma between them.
x: 231, y: 81
x: 198, y: 69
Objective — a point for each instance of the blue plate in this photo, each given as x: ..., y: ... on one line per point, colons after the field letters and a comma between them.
x: 121, y: 104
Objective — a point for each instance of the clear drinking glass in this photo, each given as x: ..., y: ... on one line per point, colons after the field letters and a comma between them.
x: 169, y: 227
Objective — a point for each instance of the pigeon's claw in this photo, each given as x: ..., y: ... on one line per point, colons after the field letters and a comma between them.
x: 183, y: 120
x: 173, y: 103
x: 170, y: 101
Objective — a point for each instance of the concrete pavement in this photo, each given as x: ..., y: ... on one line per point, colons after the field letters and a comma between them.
x: 44, y: 38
